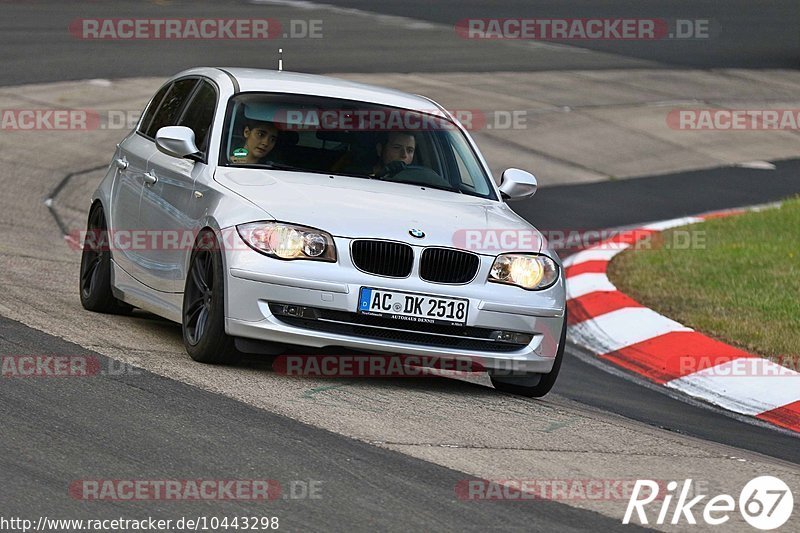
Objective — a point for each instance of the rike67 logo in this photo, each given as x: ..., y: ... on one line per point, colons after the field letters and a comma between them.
x: 765, y: 503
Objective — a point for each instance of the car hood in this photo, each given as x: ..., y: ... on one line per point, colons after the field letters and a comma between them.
x: 364, y: 208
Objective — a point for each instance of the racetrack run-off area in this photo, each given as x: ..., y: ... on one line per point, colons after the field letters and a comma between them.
x: 667, y: 352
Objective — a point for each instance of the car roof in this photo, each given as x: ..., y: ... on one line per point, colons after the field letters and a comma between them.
x: 264, y: 80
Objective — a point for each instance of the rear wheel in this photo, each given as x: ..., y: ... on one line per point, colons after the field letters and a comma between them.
x: 534, y: 385
x: 95, y: 280
x: 203, y: 316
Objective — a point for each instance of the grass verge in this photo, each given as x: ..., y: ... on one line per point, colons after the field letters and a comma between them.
x: 736, y: 279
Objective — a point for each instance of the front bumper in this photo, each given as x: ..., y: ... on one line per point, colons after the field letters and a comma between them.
x: 255, y: 281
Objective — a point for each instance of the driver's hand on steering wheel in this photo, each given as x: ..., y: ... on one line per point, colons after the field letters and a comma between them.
x: 392, y: 168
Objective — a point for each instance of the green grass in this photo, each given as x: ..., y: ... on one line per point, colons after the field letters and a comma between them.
x: 739, y: 282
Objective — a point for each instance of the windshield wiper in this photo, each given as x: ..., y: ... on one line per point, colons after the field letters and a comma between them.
x: 353, y: 175
x: 283, y: 166
x: 291, y: 168
x: 418, y: 184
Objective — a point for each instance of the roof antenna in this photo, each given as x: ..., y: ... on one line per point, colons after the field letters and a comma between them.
x: 280, y: 59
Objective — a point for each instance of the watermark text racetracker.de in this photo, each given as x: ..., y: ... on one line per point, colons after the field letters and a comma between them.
x: 145, y: 240
x: 80, y: 120
x: 129, y: 29
x: 583, y: 29
x: 476, y: 240
x: 378, y: 120
x: 734, y: 119
x: 376, y: 365
x: 63, y: 366
x: 195, y: 489
x: 49, y: 120
x: 76, y: 120
x: 779, y: 367
x: 560, y: 489
x: 509, y: 240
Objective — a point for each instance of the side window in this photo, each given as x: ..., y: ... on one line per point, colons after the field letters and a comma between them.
x: 466, y: 179
x: 152, y: 107
x: 167, y: 114
x: 427, y: 153
x: 199, y: 114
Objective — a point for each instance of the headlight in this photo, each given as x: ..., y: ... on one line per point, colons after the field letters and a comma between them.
x: 288, y: 241
x: 532, y: 272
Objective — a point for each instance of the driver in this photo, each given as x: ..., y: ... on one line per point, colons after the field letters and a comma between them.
x: 260, y: 139
x: 394, y: 153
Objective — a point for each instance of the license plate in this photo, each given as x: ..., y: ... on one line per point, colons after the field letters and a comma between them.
x: 413, y: 307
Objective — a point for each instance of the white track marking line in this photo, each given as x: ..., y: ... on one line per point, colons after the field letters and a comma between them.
x: 594, y: 254
x: 748, y: 386
x: 587, y: 283
x: 624, y: 327
x: 674, y: 223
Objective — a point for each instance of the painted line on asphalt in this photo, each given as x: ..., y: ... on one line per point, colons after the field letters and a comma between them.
x: 49, y: 202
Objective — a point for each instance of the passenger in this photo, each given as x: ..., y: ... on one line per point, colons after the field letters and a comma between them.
x: 260, y: 138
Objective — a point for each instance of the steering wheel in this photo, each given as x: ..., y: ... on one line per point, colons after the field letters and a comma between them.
x: 419, y: 174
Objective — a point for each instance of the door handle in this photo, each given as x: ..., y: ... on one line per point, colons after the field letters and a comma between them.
x: 150, y: 178
x: 121, y: 163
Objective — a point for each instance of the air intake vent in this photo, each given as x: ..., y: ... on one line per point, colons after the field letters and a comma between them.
x: 383, y: 258
x: 444, y: 265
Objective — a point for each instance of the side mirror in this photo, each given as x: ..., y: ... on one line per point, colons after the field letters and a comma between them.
x: 517, y: 184
x: 177, y: 141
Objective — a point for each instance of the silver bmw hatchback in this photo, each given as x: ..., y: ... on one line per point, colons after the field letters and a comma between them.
x: 266, y: 209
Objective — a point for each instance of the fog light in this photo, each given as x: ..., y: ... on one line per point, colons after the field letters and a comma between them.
x: 293, y: 310
x: 511, y: 337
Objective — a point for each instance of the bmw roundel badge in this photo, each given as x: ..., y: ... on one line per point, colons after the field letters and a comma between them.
x: 418, y: 233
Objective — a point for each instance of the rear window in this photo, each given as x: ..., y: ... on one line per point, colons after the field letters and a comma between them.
x: 199, y: 114
x: 170, y: 107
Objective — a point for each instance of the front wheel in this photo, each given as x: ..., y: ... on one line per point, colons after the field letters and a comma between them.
x: 534, y: 385
x: 203, y: 315
x: 95, y: 273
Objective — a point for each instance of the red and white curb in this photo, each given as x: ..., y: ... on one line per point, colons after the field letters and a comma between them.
x: 619, y: 330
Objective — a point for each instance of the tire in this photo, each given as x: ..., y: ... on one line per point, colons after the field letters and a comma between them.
x: 534, y: 385
x: 95, y: 273
x: 203, y: 312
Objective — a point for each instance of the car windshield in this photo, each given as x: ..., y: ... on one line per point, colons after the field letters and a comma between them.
x: 345, y: 137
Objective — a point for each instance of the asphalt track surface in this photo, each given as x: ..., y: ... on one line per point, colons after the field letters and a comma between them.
x: 154, y: 427
x: 144, y: 426
x: 626, y: 202
x: 743, y: 34
x: 35, y: 45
